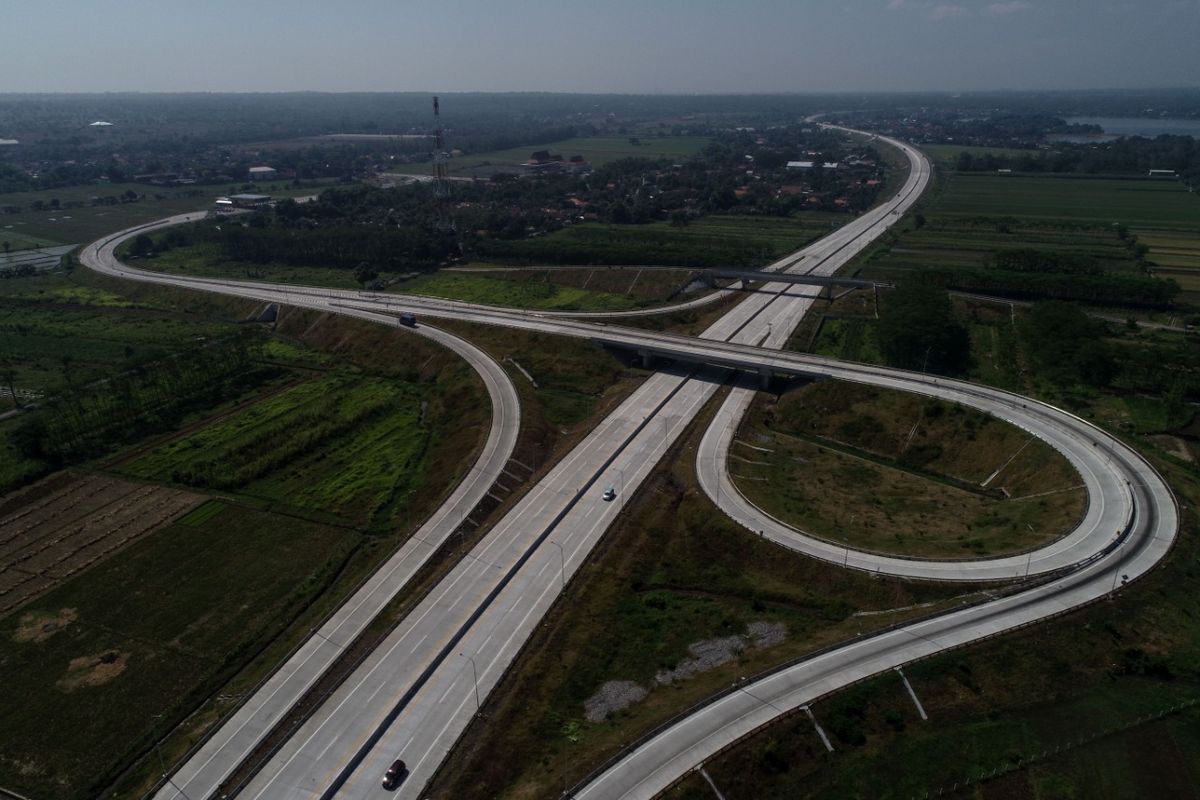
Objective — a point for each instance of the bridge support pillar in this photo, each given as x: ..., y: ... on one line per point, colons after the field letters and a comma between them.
x: 745, y: 283
x: 827, y: 292
x: 764, y: 379
x: 647, y: 359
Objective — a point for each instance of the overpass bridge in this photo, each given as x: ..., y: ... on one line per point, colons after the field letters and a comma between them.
x: 740, y: 359
x: 827, y: 283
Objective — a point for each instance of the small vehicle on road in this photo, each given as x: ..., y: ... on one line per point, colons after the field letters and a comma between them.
x: 408, y: 320
x: 610, y: 494
x: 395, y: 775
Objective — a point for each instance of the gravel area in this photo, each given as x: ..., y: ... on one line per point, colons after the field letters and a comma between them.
x: 612, y: 697
x: 706, y: 654
x: 766, y: 634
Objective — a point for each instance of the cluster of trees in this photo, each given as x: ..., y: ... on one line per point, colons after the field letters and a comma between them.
x: 18, y: 271
x: 918, y: 330
x: 388, y: 230
x: 1068, y: 348
x: 1128, y: 291
x: 1064, y: 346
x: 1128, y: 155
x: 616, y: 244
x: 84, y: 421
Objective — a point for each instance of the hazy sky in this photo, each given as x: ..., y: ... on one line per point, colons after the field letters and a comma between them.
x: 596, y: 45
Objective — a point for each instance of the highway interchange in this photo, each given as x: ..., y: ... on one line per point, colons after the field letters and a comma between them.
x: 416, y: 693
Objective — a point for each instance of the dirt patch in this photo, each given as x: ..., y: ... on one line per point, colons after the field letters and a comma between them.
x: 93, y: 670
x: 1173, y: 445
x: 40, y: 627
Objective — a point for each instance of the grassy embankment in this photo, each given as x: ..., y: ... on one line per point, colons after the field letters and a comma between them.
x: 179, y: 624
x: 671, y: 573
x: 895, y: 473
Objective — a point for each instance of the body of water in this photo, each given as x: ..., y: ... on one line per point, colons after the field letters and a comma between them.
x: 1133, y: 126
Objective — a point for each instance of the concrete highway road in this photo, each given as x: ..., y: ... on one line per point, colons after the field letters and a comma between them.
x: 416, y: 693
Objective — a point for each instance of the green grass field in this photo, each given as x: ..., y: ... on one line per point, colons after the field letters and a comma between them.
x: 971, y: 216
x: 86, y: 224
x: 207, y: 260
x: 343, y: 444
x: 598, y: 150
x: 711, y: 241
x: 894, y: 473
x: 946, y: 155
x: 1135, y: 202
x: 96, y: 331
x: 556, y: 289
x: 53, y: 323
x: 174, y: 612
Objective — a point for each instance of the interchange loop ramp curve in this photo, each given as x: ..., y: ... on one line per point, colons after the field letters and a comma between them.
x: 623, y: 450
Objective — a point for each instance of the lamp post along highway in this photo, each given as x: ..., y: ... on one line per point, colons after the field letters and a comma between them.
x: 475, y: 675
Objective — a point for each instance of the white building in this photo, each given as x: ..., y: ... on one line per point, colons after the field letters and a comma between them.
x: 263, y: 173
x: 809, y: 164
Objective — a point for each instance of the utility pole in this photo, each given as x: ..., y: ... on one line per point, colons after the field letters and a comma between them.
x: 441, y: 181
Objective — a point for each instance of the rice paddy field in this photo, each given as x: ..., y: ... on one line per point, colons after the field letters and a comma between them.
x: 972, y: 215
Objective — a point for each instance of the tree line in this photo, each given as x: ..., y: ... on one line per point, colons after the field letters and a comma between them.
x: 86, y: 420
x: 1127, y: 155
x: 1125, y: 291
